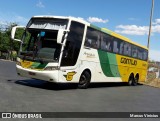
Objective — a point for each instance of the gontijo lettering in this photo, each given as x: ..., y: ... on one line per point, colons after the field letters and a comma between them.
x: 128, y: 61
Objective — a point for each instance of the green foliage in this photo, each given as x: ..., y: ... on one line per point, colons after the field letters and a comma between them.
x: 6, y: 44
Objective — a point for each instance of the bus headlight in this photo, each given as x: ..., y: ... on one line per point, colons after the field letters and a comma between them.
x: 18, y: 63
x: 51, y: 68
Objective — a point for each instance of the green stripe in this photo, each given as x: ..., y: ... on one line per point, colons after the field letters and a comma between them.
x: 108, y: 64
x: 37, y: 65
x: 42, y: 66
x: 106, y: 31
x: 95, y: 27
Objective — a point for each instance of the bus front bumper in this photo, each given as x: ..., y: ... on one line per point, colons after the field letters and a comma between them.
x: 51, y: 76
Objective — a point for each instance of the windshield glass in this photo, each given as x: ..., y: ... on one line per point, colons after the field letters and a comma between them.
x: 40, y: 45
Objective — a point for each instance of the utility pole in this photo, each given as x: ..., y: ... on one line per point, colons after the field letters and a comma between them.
x: 149, y: 34
x: 150, y: 26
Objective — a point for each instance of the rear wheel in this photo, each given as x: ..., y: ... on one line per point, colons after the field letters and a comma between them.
x: 135, y: 82
x: 84, y: 80
x: 130, y: 81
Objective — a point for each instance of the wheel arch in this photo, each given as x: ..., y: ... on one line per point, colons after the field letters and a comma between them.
x: 84, y: 79
x: 137, y: 75
x: 87, y: 69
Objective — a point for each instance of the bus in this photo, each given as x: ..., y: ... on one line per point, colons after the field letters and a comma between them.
x: 62, y: 49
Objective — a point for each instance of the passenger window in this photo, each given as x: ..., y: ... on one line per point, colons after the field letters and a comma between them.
x: 121, y: 48
x: 134, y: 51
x: 88, y: 42
x: 106, y: 42
x: 115, y: 46
x: 127, y: 49
x: 92, y: 38
x: 145, y: 55
x: 140, y: 53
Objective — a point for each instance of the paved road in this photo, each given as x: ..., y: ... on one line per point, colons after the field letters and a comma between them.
x: 19, y: 94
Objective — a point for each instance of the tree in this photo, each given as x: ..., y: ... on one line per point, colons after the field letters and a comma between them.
x: 6, y: 45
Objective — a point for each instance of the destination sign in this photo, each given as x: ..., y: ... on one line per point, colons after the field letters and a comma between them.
x: 54, y: 24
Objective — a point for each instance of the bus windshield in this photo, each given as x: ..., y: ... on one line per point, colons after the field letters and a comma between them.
x: 40, y: 45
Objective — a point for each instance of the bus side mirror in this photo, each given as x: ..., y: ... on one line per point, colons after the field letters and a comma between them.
x: 13, y: 32
x: 60, y: 36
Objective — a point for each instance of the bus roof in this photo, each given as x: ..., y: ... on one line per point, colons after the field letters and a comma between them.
x: 81, y: 20
x: 105, y: 30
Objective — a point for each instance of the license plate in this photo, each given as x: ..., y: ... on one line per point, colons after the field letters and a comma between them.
x: 31, y: 73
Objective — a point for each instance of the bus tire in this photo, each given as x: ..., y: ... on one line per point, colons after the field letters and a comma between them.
x: 130, y: 80
x: 135, y: 82
x: 84, y: 80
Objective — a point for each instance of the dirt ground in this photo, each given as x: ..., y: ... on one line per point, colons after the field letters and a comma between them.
x: 152, y: 80
x: 154, y: 83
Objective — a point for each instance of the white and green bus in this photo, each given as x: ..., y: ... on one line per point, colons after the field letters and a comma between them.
x: 71, y: 50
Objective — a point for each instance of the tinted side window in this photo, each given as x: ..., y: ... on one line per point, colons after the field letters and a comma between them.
x: 145, y: 55
x: 116, y: 46
x: 73, y: 44
x: 106, y: 42
x: 127, y: 49
x: 121, y: 49
x: 92, y: 38
x: 140, y: 53
x: 134, y: 51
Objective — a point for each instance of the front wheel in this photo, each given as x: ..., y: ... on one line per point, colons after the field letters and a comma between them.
x: 84, y: 80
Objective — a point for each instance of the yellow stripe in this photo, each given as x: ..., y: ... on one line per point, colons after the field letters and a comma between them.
x: 26, y: 64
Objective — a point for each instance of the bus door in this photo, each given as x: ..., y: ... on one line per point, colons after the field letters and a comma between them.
x: 72, y: 49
